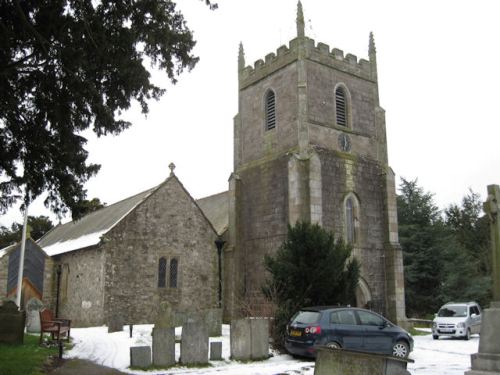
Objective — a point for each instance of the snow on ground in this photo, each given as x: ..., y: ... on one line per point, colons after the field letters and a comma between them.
x: 432, y: 357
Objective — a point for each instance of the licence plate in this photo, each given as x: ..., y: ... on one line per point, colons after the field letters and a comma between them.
x: 446, y: 330
x: 295, y: 333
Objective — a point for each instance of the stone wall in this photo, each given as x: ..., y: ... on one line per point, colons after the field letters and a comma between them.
x: 167, y: 224
x: 4, y: 265
x: 81, y: 293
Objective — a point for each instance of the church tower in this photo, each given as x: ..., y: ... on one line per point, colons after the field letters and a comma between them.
x: 310, y: 145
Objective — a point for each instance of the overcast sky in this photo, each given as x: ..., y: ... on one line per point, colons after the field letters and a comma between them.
x: 439, y: 82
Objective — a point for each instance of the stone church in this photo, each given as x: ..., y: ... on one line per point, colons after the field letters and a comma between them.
x: 309, y: 144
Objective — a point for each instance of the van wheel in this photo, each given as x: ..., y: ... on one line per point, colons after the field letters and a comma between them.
x: 467, y: 334
x: 401, y: 349
x: 435, y: 337
x: 333, y: 345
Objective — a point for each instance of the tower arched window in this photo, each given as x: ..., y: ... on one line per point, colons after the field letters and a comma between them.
x: 341, y: 106
x: 270, y: 104
x: 174, y: 268
x: 351, y: 212
x: 162, y: 272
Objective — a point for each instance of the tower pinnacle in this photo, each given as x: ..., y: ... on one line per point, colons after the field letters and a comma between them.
x: 300, y: 21
x: 241, y: 58
x: 371, y: 47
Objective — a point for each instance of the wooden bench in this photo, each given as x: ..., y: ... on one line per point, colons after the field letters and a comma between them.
x: 55, y: 326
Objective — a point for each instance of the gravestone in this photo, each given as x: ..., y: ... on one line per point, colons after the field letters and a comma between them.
x: 115, y: 323
x: 216, y: 351
x: 211, y: 317
x: 140, y: 356
x: 194, y: 343
x: 163, y: 346
x: 11, y: 323
x: 165, y: 318
x: 331, y: 361
x: 249, y: 339
x: 487, y: 360
x: 33, y: 308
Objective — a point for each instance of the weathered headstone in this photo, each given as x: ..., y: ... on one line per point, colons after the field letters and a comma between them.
x: 165, y: 318
x: 194, y: 343
x: 33, y: 308
x: 216, y: 351
x: 487, y: 360
x: 115, y: 323
x: 249, y: 339
x: 163, y: 346
x: 339, y: 362
x: 140, y: 356
x: 211, y: 317
x: 11, y: 323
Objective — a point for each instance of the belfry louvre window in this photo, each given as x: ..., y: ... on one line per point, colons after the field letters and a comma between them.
x: 341, y: 106
x: 270, y: 110
x: 162, y: 272
x: 174, y: 265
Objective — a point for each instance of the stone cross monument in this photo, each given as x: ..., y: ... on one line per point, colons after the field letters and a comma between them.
x: 487, y: 361
x: 491, y: 207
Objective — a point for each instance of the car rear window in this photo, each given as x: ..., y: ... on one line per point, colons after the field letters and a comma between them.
x: 307, y: 317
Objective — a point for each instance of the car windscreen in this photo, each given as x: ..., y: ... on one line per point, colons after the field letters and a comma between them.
x: 306, y: 317
x: 453, y: 311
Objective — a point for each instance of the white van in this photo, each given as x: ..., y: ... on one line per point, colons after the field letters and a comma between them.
x: 457, y: 319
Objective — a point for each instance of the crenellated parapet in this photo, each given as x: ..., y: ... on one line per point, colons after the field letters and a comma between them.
x: 306, y: 47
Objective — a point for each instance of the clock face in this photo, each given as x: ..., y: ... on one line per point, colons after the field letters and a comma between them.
x: 344, y: 142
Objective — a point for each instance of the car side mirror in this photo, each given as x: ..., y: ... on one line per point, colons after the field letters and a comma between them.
x: 383, y: 325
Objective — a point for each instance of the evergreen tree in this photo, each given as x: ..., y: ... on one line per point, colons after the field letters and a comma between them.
x: 38, y: 226
x: 310, y: 268
x: 422, y: 235
x: 85, y: 207
x: 66, y: 66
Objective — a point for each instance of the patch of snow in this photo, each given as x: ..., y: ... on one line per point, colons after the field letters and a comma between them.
x: 432, y: 357
x: 78, y: 243
x: 2, y: 252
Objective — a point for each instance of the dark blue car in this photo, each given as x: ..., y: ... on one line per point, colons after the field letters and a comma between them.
x: 345, y: 327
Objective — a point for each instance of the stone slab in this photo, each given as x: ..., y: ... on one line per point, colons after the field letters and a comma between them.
x: 259, y: 329
x: 216, y: 351
x: 163, y: 346
x: 194, y: 343
x: 489, y: 341
x: 240, y: 340
x: 115, y: 324
x: 140, y: 356
x: 211, y: 317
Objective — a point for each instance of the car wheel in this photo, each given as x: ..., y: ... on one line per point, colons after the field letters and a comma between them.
x: 467, y: 334
x: 333, y: 345
x: 400, y: 349
x: 435, y: 337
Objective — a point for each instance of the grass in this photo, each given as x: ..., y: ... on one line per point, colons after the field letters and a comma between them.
x: 414, y: 331
x: 26, y: 359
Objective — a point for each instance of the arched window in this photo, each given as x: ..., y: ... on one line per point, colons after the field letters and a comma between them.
x: 270, y: 110
x: 174, y: 266
x: 162, y: 272
x: 341, y: 106
x: 349, y: 220
x: 351, y: 215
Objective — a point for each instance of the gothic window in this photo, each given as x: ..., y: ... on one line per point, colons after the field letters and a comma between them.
x: 270, y: 110
x: 341, y: 106
x: 174, y: 267
x: 351, y: 218
x: 162, y: 272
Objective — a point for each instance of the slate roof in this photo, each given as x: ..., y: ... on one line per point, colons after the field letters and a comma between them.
x: 88, y: 230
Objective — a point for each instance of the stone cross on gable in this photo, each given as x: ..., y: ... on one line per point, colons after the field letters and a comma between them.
x: 491, y: 208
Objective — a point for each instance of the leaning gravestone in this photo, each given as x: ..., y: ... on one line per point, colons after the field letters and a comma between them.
x: 11, y: 323
x: 194, y: 343
x: 33, y: 308
x: 487, y: 360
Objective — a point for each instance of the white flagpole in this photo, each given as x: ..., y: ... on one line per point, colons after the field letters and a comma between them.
x: 21, y: 261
